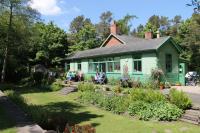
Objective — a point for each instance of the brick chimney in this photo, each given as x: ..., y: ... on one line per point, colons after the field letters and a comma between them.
x: 148, y: 35
x: 113, y: 28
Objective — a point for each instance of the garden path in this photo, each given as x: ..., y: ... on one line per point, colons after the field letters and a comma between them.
x: 23, y: 124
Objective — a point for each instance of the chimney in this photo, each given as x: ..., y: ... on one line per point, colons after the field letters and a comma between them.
x: 158, y: 34
x: 148, y: 35
x: 113, y: 28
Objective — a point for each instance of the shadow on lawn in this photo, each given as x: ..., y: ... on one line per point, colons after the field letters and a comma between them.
x: 58, y: 114
x: 5, y: 121
x: 24, y: 89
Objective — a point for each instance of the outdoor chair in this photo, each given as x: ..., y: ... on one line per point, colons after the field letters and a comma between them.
x: 102, y: 79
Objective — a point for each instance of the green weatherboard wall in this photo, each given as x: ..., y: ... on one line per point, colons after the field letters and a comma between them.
x: 150, y: 60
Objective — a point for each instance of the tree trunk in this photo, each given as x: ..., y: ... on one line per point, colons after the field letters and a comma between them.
x: 3, y: 73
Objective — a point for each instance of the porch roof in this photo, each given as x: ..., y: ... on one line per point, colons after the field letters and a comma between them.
x: 131, y: 44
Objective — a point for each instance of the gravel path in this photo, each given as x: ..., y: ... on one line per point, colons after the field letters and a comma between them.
x: 23, y: 124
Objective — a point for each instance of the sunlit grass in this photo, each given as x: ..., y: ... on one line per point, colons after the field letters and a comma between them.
x: 104, y: 121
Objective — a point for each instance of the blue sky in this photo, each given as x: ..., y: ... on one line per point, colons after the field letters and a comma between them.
x: 62, y: 12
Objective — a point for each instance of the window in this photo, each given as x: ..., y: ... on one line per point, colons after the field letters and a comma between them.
x: 93, y: 67
x: 110, y: 67
x: 117, y: 66
x: 137, y: 64
x: 107, y: 65
x: 168, y: 62
x: 79, y: 66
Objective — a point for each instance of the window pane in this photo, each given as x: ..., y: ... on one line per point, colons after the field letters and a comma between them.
x: 116, y: 66
x: 110, y: 66
x: 168, y: 60
x: 135, y: 66
x: 79, y: 66
x: 139, y: 66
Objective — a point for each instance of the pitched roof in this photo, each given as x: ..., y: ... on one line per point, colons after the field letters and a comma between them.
x: 131, y: 44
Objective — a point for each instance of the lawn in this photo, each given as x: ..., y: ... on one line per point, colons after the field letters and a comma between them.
x: 6, y: 124
x: 104, y: 121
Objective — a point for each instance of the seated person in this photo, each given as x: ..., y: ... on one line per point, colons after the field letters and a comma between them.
x: 97, y: 76
x: 69, y: 75
x: 80, y: 76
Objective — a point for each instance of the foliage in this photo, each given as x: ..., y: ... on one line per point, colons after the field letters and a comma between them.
x: 156, y: 74
x: 113, y: 81
x: 38, y: 77
x: 78, y: 23
x: 180, y: 99
x: 6, y: 86
x: 56, y: 86
x: 75, y: 112
x: 103, y: 27
x: 196, y: 5
x: 161, y: 111
x: 146, y: 95
x: 124, y: 24
x: 86, y: 38
x: 84, y: 86
x: 117, y: 89
x: 16, y: 23
x: 50, y: 44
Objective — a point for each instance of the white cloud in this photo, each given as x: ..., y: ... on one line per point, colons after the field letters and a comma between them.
x: 46, y: 7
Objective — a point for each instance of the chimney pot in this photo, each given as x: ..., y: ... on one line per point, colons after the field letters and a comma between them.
x: 148, y: 35
x: 158, y: 34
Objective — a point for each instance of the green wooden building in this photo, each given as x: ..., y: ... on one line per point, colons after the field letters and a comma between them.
x: 138, y: 56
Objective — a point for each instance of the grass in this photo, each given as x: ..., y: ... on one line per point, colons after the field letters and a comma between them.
x: 6, y: 124
x: 104, y: 122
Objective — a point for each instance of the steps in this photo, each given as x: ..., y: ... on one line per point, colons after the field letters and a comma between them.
x: 67, y: 90
x: 192, y: 115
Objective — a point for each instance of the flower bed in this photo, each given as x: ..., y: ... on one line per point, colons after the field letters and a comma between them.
x: 145, y: 104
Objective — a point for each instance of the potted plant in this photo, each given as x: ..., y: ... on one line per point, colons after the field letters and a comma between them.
x: 167, y: 85
x: 162, y: 86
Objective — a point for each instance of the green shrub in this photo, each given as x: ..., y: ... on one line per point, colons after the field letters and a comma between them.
x: 161, y: 111
x: 120, y: 104
x: 146, y: 95
x: 116, y: 104
x: 84, y: 86
x: 15, y: 97
x: 137, y: 106
x: 117, y: 89
x: 165, y: 111
x: 180, y: 99
x: 113, y: 81
x: 6, y: 87
x: 56, y: 86
x: 150, y: 85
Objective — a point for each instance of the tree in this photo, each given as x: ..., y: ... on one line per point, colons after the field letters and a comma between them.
x: 104, y: 24
x: 124, y: 24
x: 50, y: 45
x: 16, y: 13
x: 196, y: 5
x: 78, y: 23
x: 86, y: 38
x: 190, y: 32
x: 154, y: 21
x: 139, y: 31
